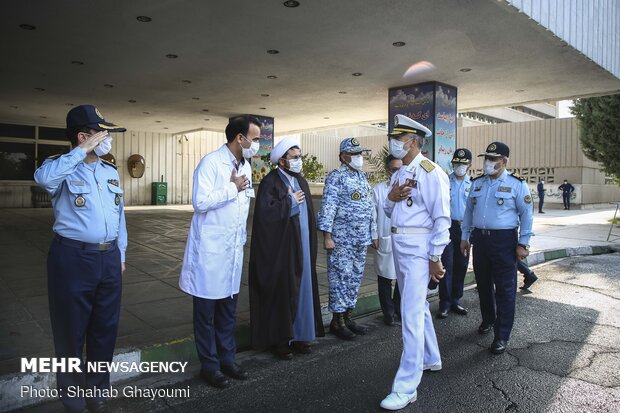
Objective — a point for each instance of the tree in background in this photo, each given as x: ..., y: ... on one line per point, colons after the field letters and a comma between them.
x: 376, y: 171
x: 598, y: 119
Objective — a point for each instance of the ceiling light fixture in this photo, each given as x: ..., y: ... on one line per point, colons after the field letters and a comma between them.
x: 158, y: 121
x: 520, y: 90
x: 195, y: 98
x: 263, y: 108
x: 342, y: 92
x: 147, y: 113
x: 14, y: 107
x: 465, y: 69
x: 172, y: 56
x: 144, y: 19
x: 109, y: 86
x: 273, y: 51
x: 131, y: 101
x: 291, y: 3
x: 77, y: 63
x: 205, y: 110
x: 398, y: 44
x: 70, y: 104
x: 272, y: 77
x: 356, y: 74
x: 265, y: 95
x: 43, y: 117
x: 187, y: 82
x: 165, y: 127
x: 326, y: 117
x: 40, y: 89
x: 207, y: 119
x: 27, y: 26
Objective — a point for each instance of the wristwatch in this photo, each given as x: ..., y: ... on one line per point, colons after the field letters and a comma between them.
x: 434, y: 258
x: 525, y: 246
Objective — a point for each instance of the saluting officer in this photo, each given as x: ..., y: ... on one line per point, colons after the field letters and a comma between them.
x: 419, y: 206
x: 497, y: 204
x: 348, y: 223
x: 451, y: 285
x: 87, y: 256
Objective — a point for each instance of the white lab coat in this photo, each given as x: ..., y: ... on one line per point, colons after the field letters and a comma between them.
x: 384, y: 260
x: 213, y: 257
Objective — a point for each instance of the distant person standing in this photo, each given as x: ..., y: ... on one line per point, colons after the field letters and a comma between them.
x: 567, y: 189
x: 541, y: 195
x: 384, y: 260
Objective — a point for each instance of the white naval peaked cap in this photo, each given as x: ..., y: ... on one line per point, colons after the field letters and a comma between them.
x: 284, y: 145
x: 403, y: 124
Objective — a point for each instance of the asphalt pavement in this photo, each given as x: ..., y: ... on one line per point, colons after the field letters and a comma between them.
x: 564, y: 356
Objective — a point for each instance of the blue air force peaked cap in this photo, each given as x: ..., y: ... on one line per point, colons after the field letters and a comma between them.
x: 462, y: 155
x: 352, y: 145
x: 90, y: 117
x: 497, y: 150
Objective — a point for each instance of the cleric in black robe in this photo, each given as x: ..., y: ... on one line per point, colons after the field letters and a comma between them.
x: 285, y: 312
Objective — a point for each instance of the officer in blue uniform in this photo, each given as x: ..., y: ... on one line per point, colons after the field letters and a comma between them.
x: 567, y: 190
x: 455, y: 263
x: 87, y: 256
x: 348, y: 222
x: 498, y: 202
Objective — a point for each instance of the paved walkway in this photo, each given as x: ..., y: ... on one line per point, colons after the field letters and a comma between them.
x: 154, y: 310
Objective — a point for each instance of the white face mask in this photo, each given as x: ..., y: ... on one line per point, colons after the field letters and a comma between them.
x: 490, y: 167
x: 104, y: 146
x: 252, y: 150
x: 542, y: 182
x: 460, y: 170
x: 357, y: 161
x: 294, y: 165
x: 396, y: 149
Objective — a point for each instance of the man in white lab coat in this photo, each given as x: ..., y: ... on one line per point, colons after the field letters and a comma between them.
x: 214, y: 253
x: 384, y: 260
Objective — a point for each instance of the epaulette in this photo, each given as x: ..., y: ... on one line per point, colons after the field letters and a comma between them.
x: 516, y: 175
x: 58, y: 155
x: 109, y: 163
x: 478, y: 177
x: 427, y: 165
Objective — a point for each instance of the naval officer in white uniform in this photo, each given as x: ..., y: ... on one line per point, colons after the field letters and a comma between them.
x: 419, y: 206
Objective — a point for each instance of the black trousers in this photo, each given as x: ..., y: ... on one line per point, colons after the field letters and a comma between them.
x: 541, y: 201
x: 390, y: 304
x: 455, y: 263
x: 214, y: 331
x: 566, y: 200
x: 495, y: 265
x: 84, y: 292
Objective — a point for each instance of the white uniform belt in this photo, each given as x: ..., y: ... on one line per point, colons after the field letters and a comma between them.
x: 410, y: 230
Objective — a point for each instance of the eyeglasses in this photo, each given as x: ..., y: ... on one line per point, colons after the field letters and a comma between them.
x: 257, y: 139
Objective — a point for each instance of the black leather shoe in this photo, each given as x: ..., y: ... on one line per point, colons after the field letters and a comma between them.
x: 527, y: 283
x: 100, y: 406
x: 458, y: 309
x: 358, y: 329
x: 301, y: 347
x: 235, y: 372
x: 498, y: 346
x: 388, y: 320
x: 442, y: 314
x: 485, y: 328
x: 215, y: 379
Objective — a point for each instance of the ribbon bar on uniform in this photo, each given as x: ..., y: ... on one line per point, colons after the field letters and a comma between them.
x: 410, y: 230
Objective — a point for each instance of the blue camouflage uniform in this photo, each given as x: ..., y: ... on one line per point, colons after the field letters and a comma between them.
x: 498, y: 217
x: 85, y: 260
x: 347, y: 213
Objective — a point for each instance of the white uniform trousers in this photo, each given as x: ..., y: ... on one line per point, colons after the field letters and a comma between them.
x: 419, y: 339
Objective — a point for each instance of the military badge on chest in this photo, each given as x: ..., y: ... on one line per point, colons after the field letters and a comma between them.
x: 356, y: 196
x: 117, y: 199
x: 80, y: 201
x: 500, y: 201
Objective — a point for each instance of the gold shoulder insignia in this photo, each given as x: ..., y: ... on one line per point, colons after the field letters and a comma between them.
x: 109, y: 163
x: 427, y: 165
x: 516, y: 175
x: 58, y: 155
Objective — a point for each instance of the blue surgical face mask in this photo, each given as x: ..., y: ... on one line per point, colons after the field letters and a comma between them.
x: 295, y: 165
